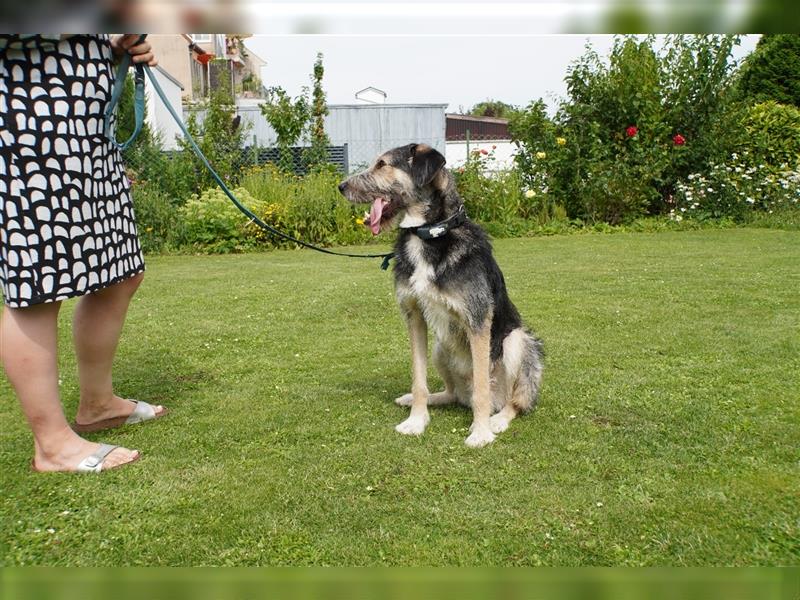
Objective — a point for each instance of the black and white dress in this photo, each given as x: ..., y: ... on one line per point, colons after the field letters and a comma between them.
x: 67, y: 226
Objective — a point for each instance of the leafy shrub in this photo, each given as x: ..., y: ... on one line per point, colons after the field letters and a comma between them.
x: 499, y: 199
x: 734, y: 189
x: 214, y: 224
x: 699, y: 96
x: 762, y: 176
x: 157, y: 218
x: 772, y: 134
x: 632, y: 127
x: 617, y: 192
x: 173, y: 173
x: 311, y: 207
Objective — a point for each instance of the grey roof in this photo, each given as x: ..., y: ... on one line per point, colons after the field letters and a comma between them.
x: 394, y: 105
x: 371, y: 88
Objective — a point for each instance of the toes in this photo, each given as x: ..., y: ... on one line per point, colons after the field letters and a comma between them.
x: 479, y: 437
x: 119, y: 457
x: 404, y: 400
x: 498, y: 425
x: 414, y: 425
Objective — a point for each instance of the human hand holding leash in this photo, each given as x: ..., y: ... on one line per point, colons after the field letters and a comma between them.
x: 141, y: 52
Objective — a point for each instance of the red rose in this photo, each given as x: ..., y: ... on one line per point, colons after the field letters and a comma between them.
x: 631, y: 131
x: 484, y: 152
x: 679, y: 139
x: 494, y: 147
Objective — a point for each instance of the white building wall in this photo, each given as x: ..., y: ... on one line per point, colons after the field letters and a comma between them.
x: 158, y: 118
x: 503, y: 153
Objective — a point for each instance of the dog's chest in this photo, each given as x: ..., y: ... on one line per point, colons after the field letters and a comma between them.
x: 443, y: 312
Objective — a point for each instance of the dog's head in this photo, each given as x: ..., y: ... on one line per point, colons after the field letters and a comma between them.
x: 404, y: 183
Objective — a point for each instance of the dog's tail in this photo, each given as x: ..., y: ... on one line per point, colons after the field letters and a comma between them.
x: 529, y: 381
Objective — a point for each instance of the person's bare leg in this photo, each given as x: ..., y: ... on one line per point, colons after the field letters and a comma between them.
x: 28, y: 350
x: 96, y: 328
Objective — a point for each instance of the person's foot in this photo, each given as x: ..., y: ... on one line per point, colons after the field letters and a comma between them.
x: 67, y: 454
x: 117, y: 408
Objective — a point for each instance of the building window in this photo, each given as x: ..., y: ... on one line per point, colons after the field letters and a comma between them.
x: 201, y: 38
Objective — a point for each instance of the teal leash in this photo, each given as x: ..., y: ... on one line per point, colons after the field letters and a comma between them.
x: 138, y: 99
x: 141, y: 69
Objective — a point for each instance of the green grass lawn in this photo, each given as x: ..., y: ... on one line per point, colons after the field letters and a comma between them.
x: 668, y: 430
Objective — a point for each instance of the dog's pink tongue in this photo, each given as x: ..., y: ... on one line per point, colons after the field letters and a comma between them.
x: 375, y: 215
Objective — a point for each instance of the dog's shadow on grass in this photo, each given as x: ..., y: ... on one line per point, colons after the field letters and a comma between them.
x: 396, y: 382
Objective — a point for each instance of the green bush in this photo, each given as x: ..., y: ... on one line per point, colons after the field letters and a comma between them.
x: 772, y: 134
x: 500, y: 199
x: 310, y: 207
x: 157, y: 218
x: 735, y: 189
x: 173, y: 173
x: 617, y: 192
x: 632, y: 127
x: 762, y: 176
x: 212, y: 223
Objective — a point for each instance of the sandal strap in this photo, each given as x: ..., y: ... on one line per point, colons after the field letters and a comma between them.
x: 94, y: 462
x: 141, y: 412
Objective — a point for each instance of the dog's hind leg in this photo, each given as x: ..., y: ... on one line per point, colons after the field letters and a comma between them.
x: 435, y: 399
x: 506, y: 380
x: 502, y: 387
x: 522, y: 356
x: 479, y: 343
x: 416, y: 423
x: 500, y: 420
x: 448, y: 396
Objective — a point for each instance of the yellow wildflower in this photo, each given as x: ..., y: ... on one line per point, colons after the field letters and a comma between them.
x: 561, y: 141
x: 530, y: 194
x: 541, y: 155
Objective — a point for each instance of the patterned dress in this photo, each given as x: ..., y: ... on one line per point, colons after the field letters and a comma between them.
x: 67, y: 226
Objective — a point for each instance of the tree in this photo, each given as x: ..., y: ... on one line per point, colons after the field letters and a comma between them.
x: 317, y: 154
x: 220, y: 138
x: 493, y: 108
x: 288, y: 117
x: 772, y: 71
x: 699, y: 85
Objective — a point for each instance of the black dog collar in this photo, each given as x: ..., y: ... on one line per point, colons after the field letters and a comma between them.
x: 437, y: 230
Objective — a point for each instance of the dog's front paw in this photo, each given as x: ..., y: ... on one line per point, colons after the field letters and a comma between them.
x: 480, y: 437
x: 414, y: 425
x: 404, y: 400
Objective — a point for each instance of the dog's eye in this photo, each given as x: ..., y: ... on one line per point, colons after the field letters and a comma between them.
x: 380, y: 164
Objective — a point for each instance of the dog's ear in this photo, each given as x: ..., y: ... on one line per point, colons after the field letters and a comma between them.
x: 425, y: 162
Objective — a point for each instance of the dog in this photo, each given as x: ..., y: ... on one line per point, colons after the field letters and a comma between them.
x: 447, y: 280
